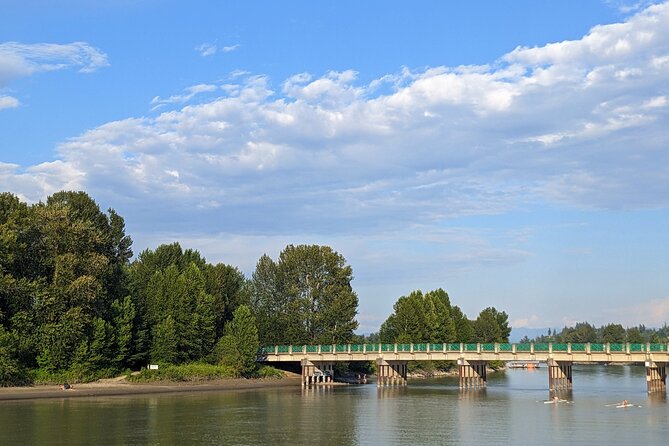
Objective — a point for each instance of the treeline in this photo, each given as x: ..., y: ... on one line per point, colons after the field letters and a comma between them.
x: 430, y: 317
x: 72, y: 304
x: 584, y: 332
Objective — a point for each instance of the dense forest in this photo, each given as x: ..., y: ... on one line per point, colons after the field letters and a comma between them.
x: 75, y: 304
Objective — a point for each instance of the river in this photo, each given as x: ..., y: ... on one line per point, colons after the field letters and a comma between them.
x: 430, y: 412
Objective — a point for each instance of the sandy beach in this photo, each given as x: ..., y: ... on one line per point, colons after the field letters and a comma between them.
x: 119, y: 386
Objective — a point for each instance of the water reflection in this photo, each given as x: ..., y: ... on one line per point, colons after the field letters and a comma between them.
x: 510, y: 410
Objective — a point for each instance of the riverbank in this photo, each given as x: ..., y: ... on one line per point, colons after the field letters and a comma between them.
x: 120, y: 386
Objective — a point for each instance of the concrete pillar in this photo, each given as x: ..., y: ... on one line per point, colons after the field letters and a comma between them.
x: 391, y: 372
x: 656, y: 376
x: 473, y: 374
x: 559, y: 375
x: 315, y: 372
x: 307, y: 372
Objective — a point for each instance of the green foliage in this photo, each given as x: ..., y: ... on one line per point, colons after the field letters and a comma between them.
x: 183, y: 372
x: 584, y: 332
x: 165, y: 342
x: 426, y: 318
x: 268, y: 372
x: 239, y: 346
x: 613, y: 333
x: 304, y: 298
x: 73, y: 375
x: 11, y: 372
x: 634, y: 336
x: 491, y: 326
x: 59, y: 340
x: 123, y: 315
x: 196, y: 295
x: 580, y: 333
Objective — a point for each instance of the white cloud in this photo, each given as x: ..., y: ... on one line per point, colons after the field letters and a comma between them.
x: 533, y: 321
x: 21, y: 59
x: 209, y: 49
x: 652, y: 313
x: 230, y: 48
x: 189, y: 93
x: 8, y: 102
x: 579, y: 123
x: 537, y: 125
x: 206, y: 49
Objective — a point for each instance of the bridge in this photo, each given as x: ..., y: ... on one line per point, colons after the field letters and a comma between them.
x: 317, y: 361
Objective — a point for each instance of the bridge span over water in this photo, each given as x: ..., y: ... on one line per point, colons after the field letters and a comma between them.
x: 391, y: 360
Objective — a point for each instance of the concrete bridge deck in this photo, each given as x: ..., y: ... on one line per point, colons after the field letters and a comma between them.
x: 391, y: 360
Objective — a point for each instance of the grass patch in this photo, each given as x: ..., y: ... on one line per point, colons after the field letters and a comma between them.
x: 266, y: 371
x: 41, y: 376
x: 196, y: 371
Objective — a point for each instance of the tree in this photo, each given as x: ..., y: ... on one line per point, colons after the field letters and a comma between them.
x: 443, y: 329
x: 305, y: 297
x: 123, y: 316
x: 492, y: 326
x: 634, y: 336
x: 486, y: 328
x: 426, y: 318
x: 10, y: 369
x: 101, y: 350
x: 174, y: 282
x: 408, y: 322
x: 225, y: 284
x: 582, y: 332
x: 614, y: 333
x: 239, y: 346
x: 268, y: 304
x: 164, y: 348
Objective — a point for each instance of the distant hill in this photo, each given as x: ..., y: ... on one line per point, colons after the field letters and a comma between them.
x: 518, y: 333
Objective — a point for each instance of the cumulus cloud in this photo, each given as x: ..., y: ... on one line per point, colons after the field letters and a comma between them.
x: 580, y: 123
x: 379, y: 169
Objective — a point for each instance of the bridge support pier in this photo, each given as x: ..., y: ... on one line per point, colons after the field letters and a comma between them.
x: 317, y: 372
x: 391, y: 372
x: 656, y: 376
x: 559, y: 375
x: 472, y: 374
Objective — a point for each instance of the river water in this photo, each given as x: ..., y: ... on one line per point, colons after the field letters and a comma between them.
x: 510, y: 411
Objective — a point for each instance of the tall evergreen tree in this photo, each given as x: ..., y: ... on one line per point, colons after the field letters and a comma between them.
x: 239, y: 346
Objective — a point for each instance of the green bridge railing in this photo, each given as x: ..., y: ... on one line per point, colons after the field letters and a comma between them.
x: 539, y: 347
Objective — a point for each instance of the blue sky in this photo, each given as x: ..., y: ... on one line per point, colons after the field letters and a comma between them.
x: 513, y: 153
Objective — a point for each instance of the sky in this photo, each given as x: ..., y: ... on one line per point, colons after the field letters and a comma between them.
x: 514, y: 153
